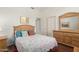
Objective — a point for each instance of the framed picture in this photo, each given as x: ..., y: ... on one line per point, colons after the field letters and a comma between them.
x: 24, y: 20
x: 65, y: 24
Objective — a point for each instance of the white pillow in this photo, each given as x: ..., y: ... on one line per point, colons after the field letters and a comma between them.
x: 24, y: 33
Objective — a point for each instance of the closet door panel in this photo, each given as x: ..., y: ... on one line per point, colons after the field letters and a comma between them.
x: 38, y: 26
x: 51, y: 24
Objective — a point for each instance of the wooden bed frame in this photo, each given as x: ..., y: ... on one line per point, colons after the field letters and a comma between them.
x: 30, y: 27
x: 23, y: 27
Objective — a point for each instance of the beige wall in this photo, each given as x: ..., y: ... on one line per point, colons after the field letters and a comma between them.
x: 54, y: 11
x: 10, y: 17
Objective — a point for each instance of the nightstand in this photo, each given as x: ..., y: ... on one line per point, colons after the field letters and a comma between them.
x: 3, y: 44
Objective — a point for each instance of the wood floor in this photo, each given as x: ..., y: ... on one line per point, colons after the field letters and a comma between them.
x: 61, y: 48
x: 64, y: 48
x: 12, y: 48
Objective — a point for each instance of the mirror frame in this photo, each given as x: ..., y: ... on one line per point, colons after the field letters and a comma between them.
x: 66, y: 15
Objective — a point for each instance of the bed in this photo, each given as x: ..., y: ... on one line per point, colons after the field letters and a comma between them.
x: 33, y: 43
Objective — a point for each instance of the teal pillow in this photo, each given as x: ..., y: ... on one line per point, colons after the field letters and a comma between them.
x: 24, y: 33
x: 18, y: 34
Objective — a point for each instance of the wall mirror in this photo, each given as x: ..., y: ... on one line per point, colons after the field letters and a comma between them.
x: 69, y: 21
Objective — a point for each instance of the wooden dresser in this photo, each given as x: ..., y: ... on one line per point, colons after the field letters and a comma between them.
x: 69, y: 38
x: 3, y: 44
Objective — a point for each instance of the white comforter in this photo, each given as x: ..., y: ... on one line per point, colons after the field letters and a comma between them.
x: 35, y: 43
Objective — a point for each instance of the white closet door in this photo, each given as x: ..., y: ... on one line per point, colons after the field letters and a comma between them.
x: 51, y: 25
x: 38, y: 26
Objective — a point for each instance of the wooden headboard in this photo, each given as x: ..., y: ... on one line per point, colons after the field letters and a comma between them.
x: 23, y: 27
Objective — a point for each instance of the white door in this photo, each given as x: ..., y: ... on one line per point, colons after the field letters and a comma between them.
x: 38, y: 26
x: 51, y: 25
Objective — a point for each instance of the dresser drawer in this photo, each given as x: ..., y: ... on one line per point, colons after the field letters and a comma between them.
x: 59, y: 40
x: 76, y: 39
x: 75, y: 36
x: 75, y: 43
x: 67, y: 34
x: 3, y: 44
x: 67, y: 40
x: 76, y: 49
x: 58, y: 36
